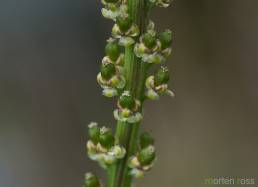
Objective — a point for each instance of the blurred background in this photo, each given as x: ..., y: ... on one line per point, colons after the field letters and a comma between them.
x: 50, y: 52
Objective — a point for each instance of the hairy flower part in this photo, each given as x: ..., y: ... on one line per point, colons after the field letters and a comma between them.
x: 125, y: 31
x: 158, y: 84
x: 104, y: 151
x: 128, y: 109
x: 112, y: 11
x: 111, y: 79
x: 142, y: 162
x: 91, y: 180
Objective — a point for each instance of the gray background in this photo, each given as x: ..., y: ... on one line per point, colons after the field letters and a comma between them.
x: 50, y: 53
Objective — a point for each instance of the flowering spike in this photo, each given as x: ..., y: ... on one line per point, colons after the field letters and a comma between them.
x: 134, y: 40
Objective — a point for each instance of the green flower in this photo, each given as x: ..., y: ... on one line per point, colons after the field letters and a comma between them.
x: 158, y: 84
x: 125, y: 30
x: 110, y: 78
x: 106, y: 138
x: 127, y: 109
x: 94, y: 132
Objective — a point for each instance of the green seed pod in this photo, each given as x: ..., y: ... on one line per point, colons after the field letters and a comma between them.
x: 112, y: 50
x: 127, y: 101
x: 124, y: 23
x: 107, y: 71
x: 111, y: 1
x: 91, y: 180
x: 106, y: 138
x: 94, y: 132
x: 161, y: 76
x: 165, y: 39
x: 149, y: 40
x: 146, y: 139
x: 146, y: 156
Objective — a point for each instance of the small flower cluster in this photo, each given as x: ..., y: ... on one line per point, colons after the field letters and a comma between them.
x: 91, y: 180
x: 101, y: 146
x: 154, y: 48
x: 113, y: 9
x: 125, y: 30
x: 158, y: 84
x: 111, y: 77
x: 143, y: 161
x: 128, y: 109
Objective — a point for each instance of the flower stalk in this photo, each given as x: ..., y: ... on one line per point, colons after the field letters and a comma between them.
x: 131, y: 51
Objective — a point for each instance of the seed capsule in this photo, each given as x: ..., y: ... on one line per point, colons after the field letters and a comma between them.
x: 149, y: 40
x: 124, y: 23
x: 112, y: 50
x: 127, y: 101
x: 91, y: 180
x: 161, y: 76
x: 106, y: 137
x: 146, y: 139
x: 108, y: 71
x: 147, y: 155
x: 165, y: 39
x: 94, y: 132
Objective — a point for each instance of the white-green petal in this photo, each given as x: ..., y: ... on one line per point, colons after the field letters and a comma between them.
x: 117, y: 151
x: 134, y: 162
x: 139, y: 49
x: 109, y: 92
x: 170, y: 93
x: 137, y: 117
x: 151, y: 94
x: 126, y: 41
x: 134, y: 30
x: 109, y: 14
x: 137, y: 173
x: 121, y: 83
x: 154, y: 58
x: 116, y: 31
x: 109, y: 159
x: 167, y: 52
x: 149, y: 82
x: 118, y: 117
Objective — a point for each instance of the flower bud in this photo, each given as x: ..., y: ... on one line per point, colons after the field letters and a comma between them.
x: 107, y: 71
x: 149, y: 40
x: 106, y: 137
x: 124, y: 23
x: 165, y: 39
x: 127, y: 101
x: 147, y: 155
x: 94, y: 132
x: 161, y: 76
x: 91, y: 180
x: 112, y: 50
x: 146, y: 139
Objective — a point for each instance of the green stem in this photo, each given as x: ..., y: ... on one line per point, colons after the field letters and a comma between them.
x: 127, y: 134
